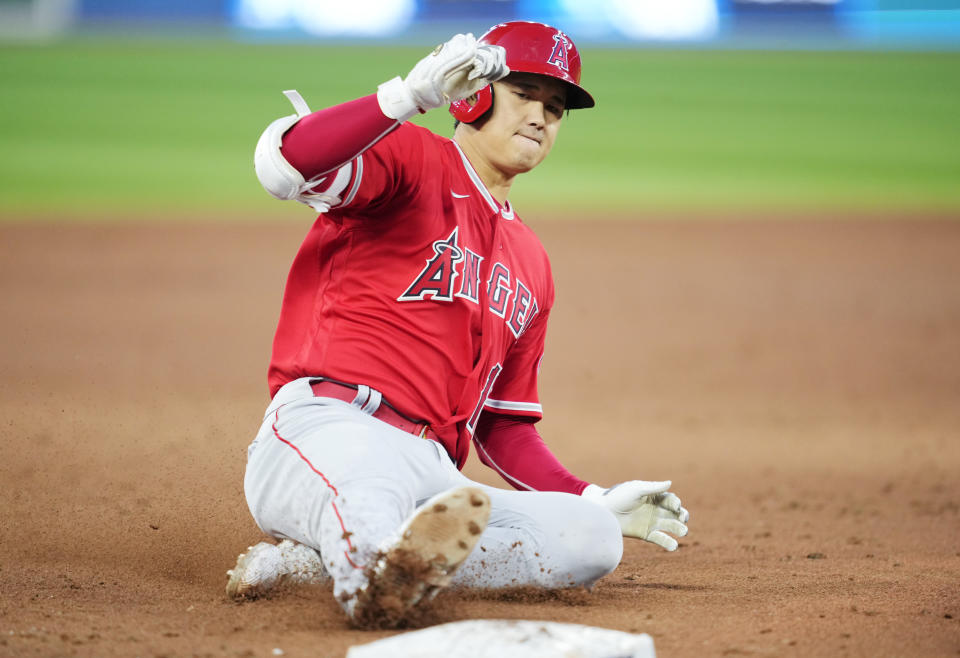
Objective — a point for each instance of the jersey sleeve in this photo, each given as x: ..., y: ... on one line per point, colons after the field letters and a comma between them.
x: 389, y: 172
x: 515, y: 392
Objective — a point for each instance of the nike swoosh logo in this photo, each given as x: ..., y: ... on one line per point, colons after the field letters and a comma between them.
x: 459, y: 196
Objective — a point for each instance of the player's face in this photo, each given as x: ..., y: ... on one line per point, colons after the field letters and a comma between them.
x: 526, y: 116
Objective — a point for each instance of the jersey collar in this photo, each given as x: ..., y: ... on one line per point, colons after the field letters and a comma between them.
x: 506, y: 210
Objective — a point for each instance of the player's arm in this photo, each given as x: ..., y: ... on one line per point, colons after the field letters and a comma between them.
x: 506, y: 437
x: 296, y: 152
x: 507, y: 441
x: 512, y: 446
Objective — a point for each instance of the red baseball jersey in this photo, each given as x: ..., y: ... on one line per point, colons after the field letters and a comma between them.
x: 418, y: 283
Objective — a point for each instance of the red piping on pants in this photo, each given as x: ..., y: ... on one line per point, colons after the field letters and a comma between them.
x: 333, y: 504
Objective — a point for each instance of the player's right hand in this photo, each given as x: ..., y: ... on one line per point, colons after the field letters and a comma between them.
x: 454, y: 70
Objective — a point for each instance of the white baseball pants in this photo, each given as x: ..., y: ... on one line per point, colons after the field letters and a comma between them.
x: 324, y: 473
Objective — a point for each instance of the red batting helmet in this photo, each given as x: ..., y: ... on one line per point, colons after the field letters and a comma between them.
x: 531, y: 48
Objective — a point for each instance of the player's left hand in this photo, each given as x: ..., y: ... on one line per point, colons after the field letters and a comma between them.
x: 646, y: 510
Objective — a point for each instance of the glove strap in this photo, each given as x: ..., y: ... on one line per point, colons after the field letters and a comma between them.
x: 299, y: 105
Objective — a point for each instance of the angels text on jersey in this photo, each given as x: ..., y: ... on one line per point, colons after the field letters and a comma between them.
x: 454, y: 271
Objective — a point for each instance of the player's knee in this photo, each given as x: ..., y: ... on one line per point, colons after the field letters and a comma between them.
x: 594, y: 544
x: 608, y: 546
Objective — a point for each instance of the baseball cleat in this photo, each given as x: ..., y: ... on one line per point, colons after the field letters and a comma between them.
x: 430, y: 546
x: 265, y: 566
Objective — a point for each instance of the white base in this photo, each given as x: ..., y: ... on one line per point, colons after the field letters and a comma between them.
x: 499, y: 638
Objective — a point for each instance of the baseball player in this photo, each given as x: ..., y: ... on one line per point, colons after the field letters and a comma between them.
x: 412, y: 326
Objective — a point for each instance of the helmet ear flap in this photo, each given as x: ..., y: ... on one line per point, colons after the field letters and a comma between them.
x: 465, y: 112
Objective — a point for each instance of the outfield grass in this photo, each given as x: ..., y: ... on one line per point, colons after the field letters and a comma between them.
x: 115, y: 127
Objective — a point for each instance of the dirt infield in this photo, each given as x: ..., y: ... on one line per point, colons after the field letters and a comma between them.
x: 799, y: 382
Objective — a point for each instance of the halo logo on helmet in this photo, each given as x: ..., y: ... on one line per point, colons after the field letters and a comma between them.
x: 531, y: 48
x: 559, y: 54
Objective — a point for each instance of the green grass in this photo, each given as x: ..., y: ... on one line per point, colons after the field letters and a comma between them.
x: 154, y: 128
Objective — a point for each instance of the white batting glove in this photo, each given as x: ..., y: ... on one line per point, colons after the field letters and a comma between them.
x: 646, y: 510
x: 454, y: 70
